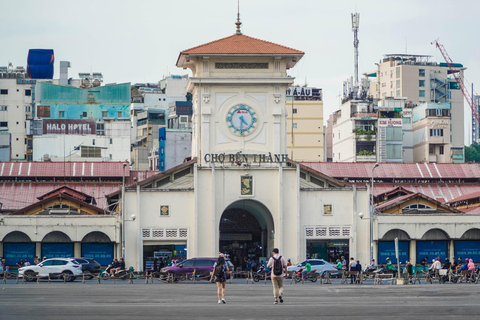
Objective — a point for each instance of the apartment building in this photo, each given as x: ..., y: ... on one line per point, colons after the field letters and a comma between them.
x: 422, y: 81
x: 305, y: 134
x: 16, y: 95
x: 431, y: 132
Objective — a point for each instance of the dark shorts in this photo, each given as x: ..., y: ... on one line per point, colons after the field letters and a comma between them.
x: 220, y: 279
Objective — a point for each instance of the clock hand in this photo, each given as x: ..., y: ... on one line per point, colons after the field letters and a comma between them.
x: 243, y: 120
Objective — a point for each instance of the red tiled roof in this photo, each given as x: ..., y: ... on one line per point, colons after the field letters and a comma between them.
x: 362, y: 170
x: 471, y: 210
x: 18, y: 195
x: 63, y: 169
x: 466, y: 197
x: 241, y: 44
x: 395, y: 201
x: 438, y: 191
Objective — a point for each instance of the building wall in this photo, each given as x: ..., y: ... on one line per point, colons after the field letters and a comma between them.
x: 178, y: 147
x: 18, y: 106
x: 305, y: 142
x: 60, y: 147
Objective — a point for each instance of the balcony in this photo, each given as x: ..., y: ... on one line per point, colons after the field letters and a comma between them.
x: 370, y: 158
x: 366, y: 137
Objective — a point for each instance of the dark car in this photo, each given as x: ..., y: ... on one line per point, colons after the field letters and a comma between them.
x: 89, y: 265
x: 201, y: 266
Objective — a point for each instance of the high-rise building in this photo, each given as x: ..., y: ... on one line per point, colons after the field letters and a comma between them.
x: 422, y: 81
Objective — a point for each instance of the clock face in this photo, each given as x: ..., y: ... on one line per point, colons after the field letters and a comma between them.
x: 241, y: 119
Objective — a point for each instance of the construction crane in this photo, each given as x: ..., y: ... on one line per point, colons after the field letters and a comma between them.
x: 455, y: 72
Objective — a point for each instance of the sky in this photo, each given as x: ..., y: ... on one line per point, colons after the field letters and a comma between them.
x: 139, y: 41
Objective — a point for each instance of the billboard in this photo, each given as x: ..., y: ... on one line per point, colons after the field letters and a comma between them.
x: 386, y: 249
x: 69, y: 126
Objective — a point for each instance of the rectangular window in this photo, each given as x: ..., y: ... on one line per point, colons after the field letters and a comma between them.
x: 43, y: 111
x: 421, y: 83
x: 84, y: 114
x: 294, y: 110
x: 421, y: 72
x: 28, y: 108
x: 393, y: 151
x: 421, y: 93
x: 100, y: 129
x: 93, y: 142
x: 119, y: 114
x: 61, y: 114
x: 28, y: 92
x: 104, y: 114
x: 436, y: 132
x: 3, y: 124
x: 397, y: 94
x: 441, y: 151
x: 3, y: 108
x: 294, y: 126
x: 397, y: 72
x: 397, y: 83
x: 111, y: 141
x: 91, y: 152
x: 110, y: 156
x: 3, y: 91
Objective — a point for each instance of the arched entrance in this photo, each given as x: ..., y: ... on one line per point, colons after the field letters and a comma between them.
x: 17, y: 245
x: 246, y: 231
x: 97, y: 245
x: 57, y: 244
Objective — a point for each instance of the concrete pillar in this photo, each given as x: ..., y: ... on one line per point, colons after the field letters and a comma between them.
x: 451, y: 253
x: 413, y: 252
x: 38, y: 250
x: 77, y: 249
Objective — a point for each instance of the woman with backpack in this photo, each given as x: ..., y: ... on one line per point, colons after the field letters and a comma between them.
x: 220, y: 269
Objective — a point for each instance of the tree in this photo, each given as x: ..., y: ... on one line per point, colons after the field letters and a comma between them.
x: 472, y: 153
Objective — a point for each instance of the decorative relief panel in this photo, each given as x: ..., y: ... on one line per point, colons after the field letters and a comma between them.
x: 241, y: 65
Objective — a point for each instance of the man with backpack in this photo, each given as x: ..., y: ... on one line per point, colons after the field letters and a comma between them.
x: 278, y: 266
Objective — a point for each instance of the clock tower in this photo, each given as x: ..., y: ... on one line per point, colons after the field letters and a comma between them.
x: 238, y: 86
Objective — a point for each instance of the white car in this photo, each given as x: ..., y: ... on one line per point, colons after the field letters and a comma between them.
x: 70, y: 268
x: 318, y: 265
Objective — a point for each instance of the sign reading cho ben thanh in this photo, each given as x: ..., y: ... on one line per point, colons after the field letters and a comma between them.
x: 246, y: 158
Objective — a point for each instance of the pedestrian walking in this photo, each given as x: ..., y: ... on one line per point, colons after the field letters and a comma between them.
x: 279, y: 271
x: 220, y: 269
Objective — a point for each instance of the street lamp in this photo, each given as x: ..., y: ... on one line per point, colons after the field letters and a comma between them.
x: 123, y: 211
x: 372, y: 210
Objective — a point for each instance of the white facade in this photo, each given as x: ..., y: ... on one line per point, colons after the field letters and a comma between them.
x: 114, y: 144
x: 15, y: 109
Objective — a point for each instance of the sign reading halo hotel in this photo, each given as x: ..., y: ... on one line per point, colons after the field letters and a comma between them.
x: 241, y: 119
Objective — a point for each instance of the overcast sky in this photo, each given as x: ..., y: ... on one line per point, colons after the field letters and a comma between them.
x: 139, y: 41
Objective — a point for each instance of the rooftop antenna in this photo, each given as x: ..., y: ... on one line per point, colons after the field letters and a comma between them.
x: 238, y: 23
x: 355, y: 27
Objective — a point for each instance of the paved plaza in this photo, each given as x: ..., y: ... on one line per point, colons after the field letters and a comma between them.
x: 107, y: 300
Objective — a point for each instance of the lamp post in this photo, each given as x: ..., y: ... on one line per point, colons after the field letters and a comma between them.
x: 123, y: 211
x: 372, y: 209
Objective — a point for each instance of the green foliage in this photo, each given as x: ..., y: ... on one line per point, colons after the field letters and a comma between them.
x: 188, y: 96
x: 472, y: 153
x: 365, y: 153
x: 397, y: 115
x: 361, y: 132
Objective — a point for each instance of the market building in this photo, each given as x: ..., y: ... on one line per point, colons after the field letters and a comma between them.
x: 240, y: 193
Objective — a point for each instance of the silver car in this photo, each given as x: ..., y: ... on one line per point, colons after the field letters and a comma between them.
x: 318, y: 265
x: 69, y: 268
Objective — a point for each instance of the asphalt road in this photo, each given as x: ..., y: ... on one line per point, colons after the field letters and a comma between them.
x: 107, y: 300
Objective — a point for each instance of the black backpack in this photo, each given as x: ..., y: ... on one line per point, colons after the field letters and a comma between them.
x: 218, y: 272
x: 277, y: 266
